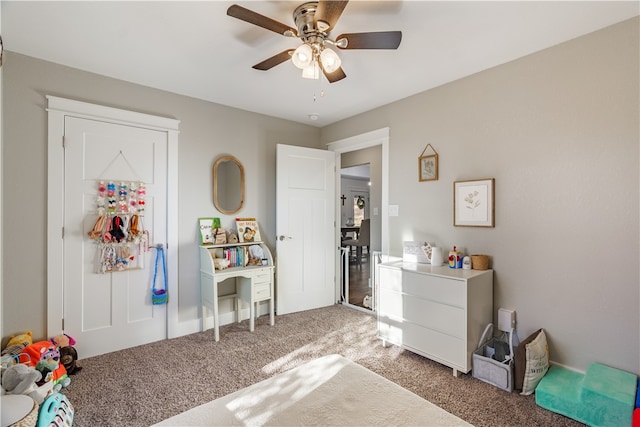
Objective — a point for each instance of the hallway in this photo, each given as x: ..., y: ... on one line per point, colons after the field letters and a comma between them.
x: 358, y: 283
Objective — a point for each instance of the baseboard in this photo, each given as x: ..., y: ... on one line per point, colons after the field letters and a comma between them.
x: 195, y: 325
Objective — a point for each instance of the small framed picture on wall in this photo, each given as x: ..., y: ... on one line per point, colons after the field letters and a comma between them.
x: 428, y: 165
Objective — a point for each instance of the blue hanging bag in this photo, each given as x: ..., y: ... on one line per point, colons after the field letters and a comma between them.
x: 160, y: 296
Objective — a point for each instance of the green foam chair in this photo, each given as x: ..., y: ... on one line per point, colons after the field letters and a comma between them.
x: 602, y: 397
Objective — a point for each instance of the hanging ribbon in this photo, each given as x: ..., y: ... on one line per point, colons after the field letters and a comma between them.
x: 160, y: 296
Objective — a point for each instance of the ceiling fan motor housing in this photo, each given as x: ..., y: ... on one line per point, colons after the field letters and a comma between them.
x: 304, y: 17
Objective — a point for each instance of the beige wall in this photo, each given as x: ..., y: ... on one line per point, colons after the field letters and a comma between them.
x: 559, y: 132
x: 207, y: 131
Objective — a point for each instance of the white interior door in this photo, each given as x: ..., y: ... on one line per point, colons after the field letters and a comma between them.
x: 305, y: 224
x: 111, y: 311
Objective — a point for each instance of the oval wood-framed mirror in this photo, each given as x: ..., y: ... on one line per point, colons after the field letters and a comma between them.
x: 228, y: 185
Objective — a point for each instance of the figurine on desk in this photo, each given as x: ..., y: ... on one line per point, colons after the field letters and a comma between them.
x: 256, y: 254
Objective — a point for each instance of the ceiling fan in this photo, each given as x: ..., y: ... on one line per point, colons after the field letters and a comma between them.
x: 314, y: 21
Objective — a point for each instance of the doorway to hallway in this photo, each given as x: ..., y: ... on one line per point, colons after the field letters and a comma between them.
x: 372, y: 149
x: 355, y: 227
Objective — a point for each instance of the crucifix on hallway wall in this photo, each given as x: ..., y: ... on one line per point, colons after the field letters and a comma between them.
x: 343, y: 199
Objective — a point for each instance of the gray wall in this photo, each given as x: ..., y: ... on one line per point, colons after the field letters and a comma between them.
x: 559, y: 132
x: 207, y: 131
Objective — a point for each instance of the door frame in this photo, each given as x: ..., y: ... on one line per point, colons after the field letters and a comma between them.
x: 58, y: 109
x: 358, y: 142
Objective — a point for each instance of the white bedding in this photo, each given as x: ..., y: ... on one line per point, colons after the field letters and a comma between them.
x: 329, y: 391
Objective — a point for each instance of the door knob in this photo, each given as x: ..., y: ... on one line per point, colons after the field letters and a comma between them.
x: 284, y: 237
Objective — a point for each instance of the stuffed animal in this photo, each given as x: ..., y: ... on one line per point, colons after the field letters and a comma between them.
x: 220, y: 263
x: 256, y: 254
x: 24, y: 338
x: 45, y: 357
x: 63, y: 340
x: 219, y: 236
x: 233, y: 237
x: 22, y: 379
x: 219, y: 260
x: 17, y: 343
x: 69, y: 358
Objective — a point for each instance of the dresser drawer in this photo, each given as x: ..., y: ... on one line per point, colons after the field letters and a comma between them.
x: 426, y: 342
x: 445, y: 290
x: 261, y: 291
x: 440, y: 289
x: 444, y: 318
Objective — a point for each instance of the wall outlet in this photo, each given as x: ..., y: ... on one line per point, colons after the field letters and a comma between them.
x: 506, y: 319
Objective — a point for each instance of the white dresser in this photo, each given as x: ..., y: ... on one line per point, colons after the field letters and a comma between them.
x: 254, y: 283
x: 436, y: 312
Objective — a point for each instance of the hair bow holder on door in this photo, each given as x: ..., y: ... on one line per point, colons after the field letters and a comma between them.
x: 118, y: 230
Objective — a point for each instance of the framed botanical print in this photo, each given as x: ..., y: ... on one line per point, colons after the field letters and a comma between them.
x: 428, y: 168
x: 473, y: 203
x: 428, y: 165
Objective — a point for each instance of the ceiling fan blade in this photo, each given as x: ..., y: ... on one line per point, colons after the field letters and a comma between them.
x: 255, y: 18
x: 329, y: 11
x: 335, y: 76
x: 274, y: 60
x: 375, y: 40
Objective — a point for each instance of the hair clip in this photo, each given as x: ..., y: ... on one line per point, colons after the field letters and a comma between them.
x: 112, y: 205
x: 122, y: 205
x: 122, y: 190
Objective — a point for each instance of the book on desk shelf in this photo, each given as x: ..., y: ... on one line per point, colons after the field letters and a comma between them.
x: 207, y: 228
x: 237, y: 256
x: 248, y: 230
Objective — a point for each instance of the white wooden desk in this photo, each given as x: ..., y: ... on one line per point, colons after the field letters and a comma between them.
x: 253, y: 284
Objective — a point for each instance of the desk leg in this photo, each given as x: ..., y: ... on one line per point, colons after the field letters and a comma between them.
x: 272, y: 320
x: 252, y: 315
x: 204, y: 317
x: 236, y: 302
x: 216, y: 328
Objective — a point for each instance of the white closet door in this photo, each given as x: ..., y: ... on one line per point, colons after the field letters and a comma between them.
x: 112, y: 311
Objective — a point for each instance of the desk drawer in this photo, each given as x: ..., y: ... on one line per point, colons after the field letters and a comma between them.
x: 261, y: 291
x: 263, y: 276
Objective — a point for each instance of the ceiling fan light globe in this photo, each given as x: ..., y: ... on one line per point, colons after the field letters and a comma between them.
x: 311, y: 72
x: 303, y: 56
x: 330, y: 60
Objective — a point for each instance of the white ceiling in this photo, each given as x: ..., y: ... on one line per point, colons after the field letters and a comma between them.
x: 360, y: 171
x: 195, y: 49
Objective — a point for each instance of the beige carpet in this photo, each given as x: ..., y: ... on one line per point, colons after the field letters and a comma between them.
x: 328, y: 391
x: 144, y: 385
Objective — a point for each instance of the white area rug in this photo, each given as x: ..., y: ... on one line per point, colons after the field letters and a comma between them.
x: 329, y: 391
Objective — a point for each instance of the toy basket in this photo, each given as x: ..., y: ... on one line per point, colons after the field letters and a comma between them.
x: 493, y: 360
